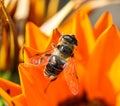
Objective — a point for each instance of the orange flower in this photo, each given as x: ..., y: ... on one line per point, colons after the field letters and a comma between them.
x: 98, y: 57
x: 89, y: 78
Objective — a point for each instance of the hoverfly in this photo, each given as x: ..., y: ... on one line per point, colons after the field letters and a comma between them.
x: 60, y: 59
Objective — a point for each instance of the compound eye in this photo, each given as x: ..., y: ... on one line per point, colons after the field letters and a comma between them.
x: 70, y: 39
x: 67, y: 38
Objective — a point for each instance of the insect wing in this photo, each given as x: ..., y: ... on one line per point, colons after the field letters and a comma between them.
x: 71, y: 77
x: 40, y: 59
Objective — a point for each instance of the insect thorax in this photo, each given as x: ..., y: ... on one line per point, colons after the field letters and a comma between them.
x: 65, y: 50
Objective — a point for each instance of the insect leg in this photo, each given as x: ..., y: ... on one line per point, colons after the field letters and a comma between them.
x: 45, y: 90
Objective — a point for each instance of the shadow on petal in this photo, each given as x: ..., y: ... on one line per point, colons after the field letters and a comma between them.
x: 11, y: 88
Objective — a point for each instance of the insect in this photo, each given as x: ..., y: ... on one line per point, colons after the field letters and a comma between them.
x: 60, y: 59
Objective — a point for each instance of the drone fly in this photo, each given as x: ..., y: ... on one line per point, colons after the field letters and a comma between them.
x: 60, y: 59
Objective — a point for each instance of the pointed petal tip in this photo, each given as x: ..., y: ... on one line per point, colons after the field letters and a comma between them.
x: 35, y: 38
x: 113, y: 27
x: 107, y: 13
x: 104, y: 21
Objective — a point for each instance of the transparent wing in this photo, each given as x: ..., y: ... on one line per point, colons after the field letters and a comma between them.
x: 40, y: 59
x: 71, y: 77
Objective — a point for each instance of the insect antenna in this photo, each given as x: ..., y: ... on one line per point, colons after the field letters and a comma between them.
x: 45, y: 90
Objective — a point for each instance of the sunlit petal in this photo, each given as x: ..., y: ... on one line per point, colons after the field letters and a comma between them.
x: 102, y: 23
x: 114, y: 73
x: 98, y: 84
x: 35, y: 38
x: 19, y: 100
x: 33, y: 82
x: 84, y: 34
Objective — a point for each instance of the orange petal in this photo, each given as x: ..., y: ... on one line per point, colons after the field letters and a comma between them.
x: 32, y: 79
x: 118, y: 100
x: 59, y: 91
x: 103, y: 22
x: 32, y: 85
x: 28, y: 52
x: 84, y: 34
x: 34, y: 38
x: 54, y: 38
x: 68, y: 27
x: 11, y: 88
x: 114, y: 73
x: 19, y: 100
x: 98, y: 83
x: 6, y: 97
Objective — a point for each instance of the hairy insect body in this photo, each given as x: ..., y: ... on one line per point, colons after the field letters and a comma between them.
x: 61, y: 53
x: 61, y: 58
